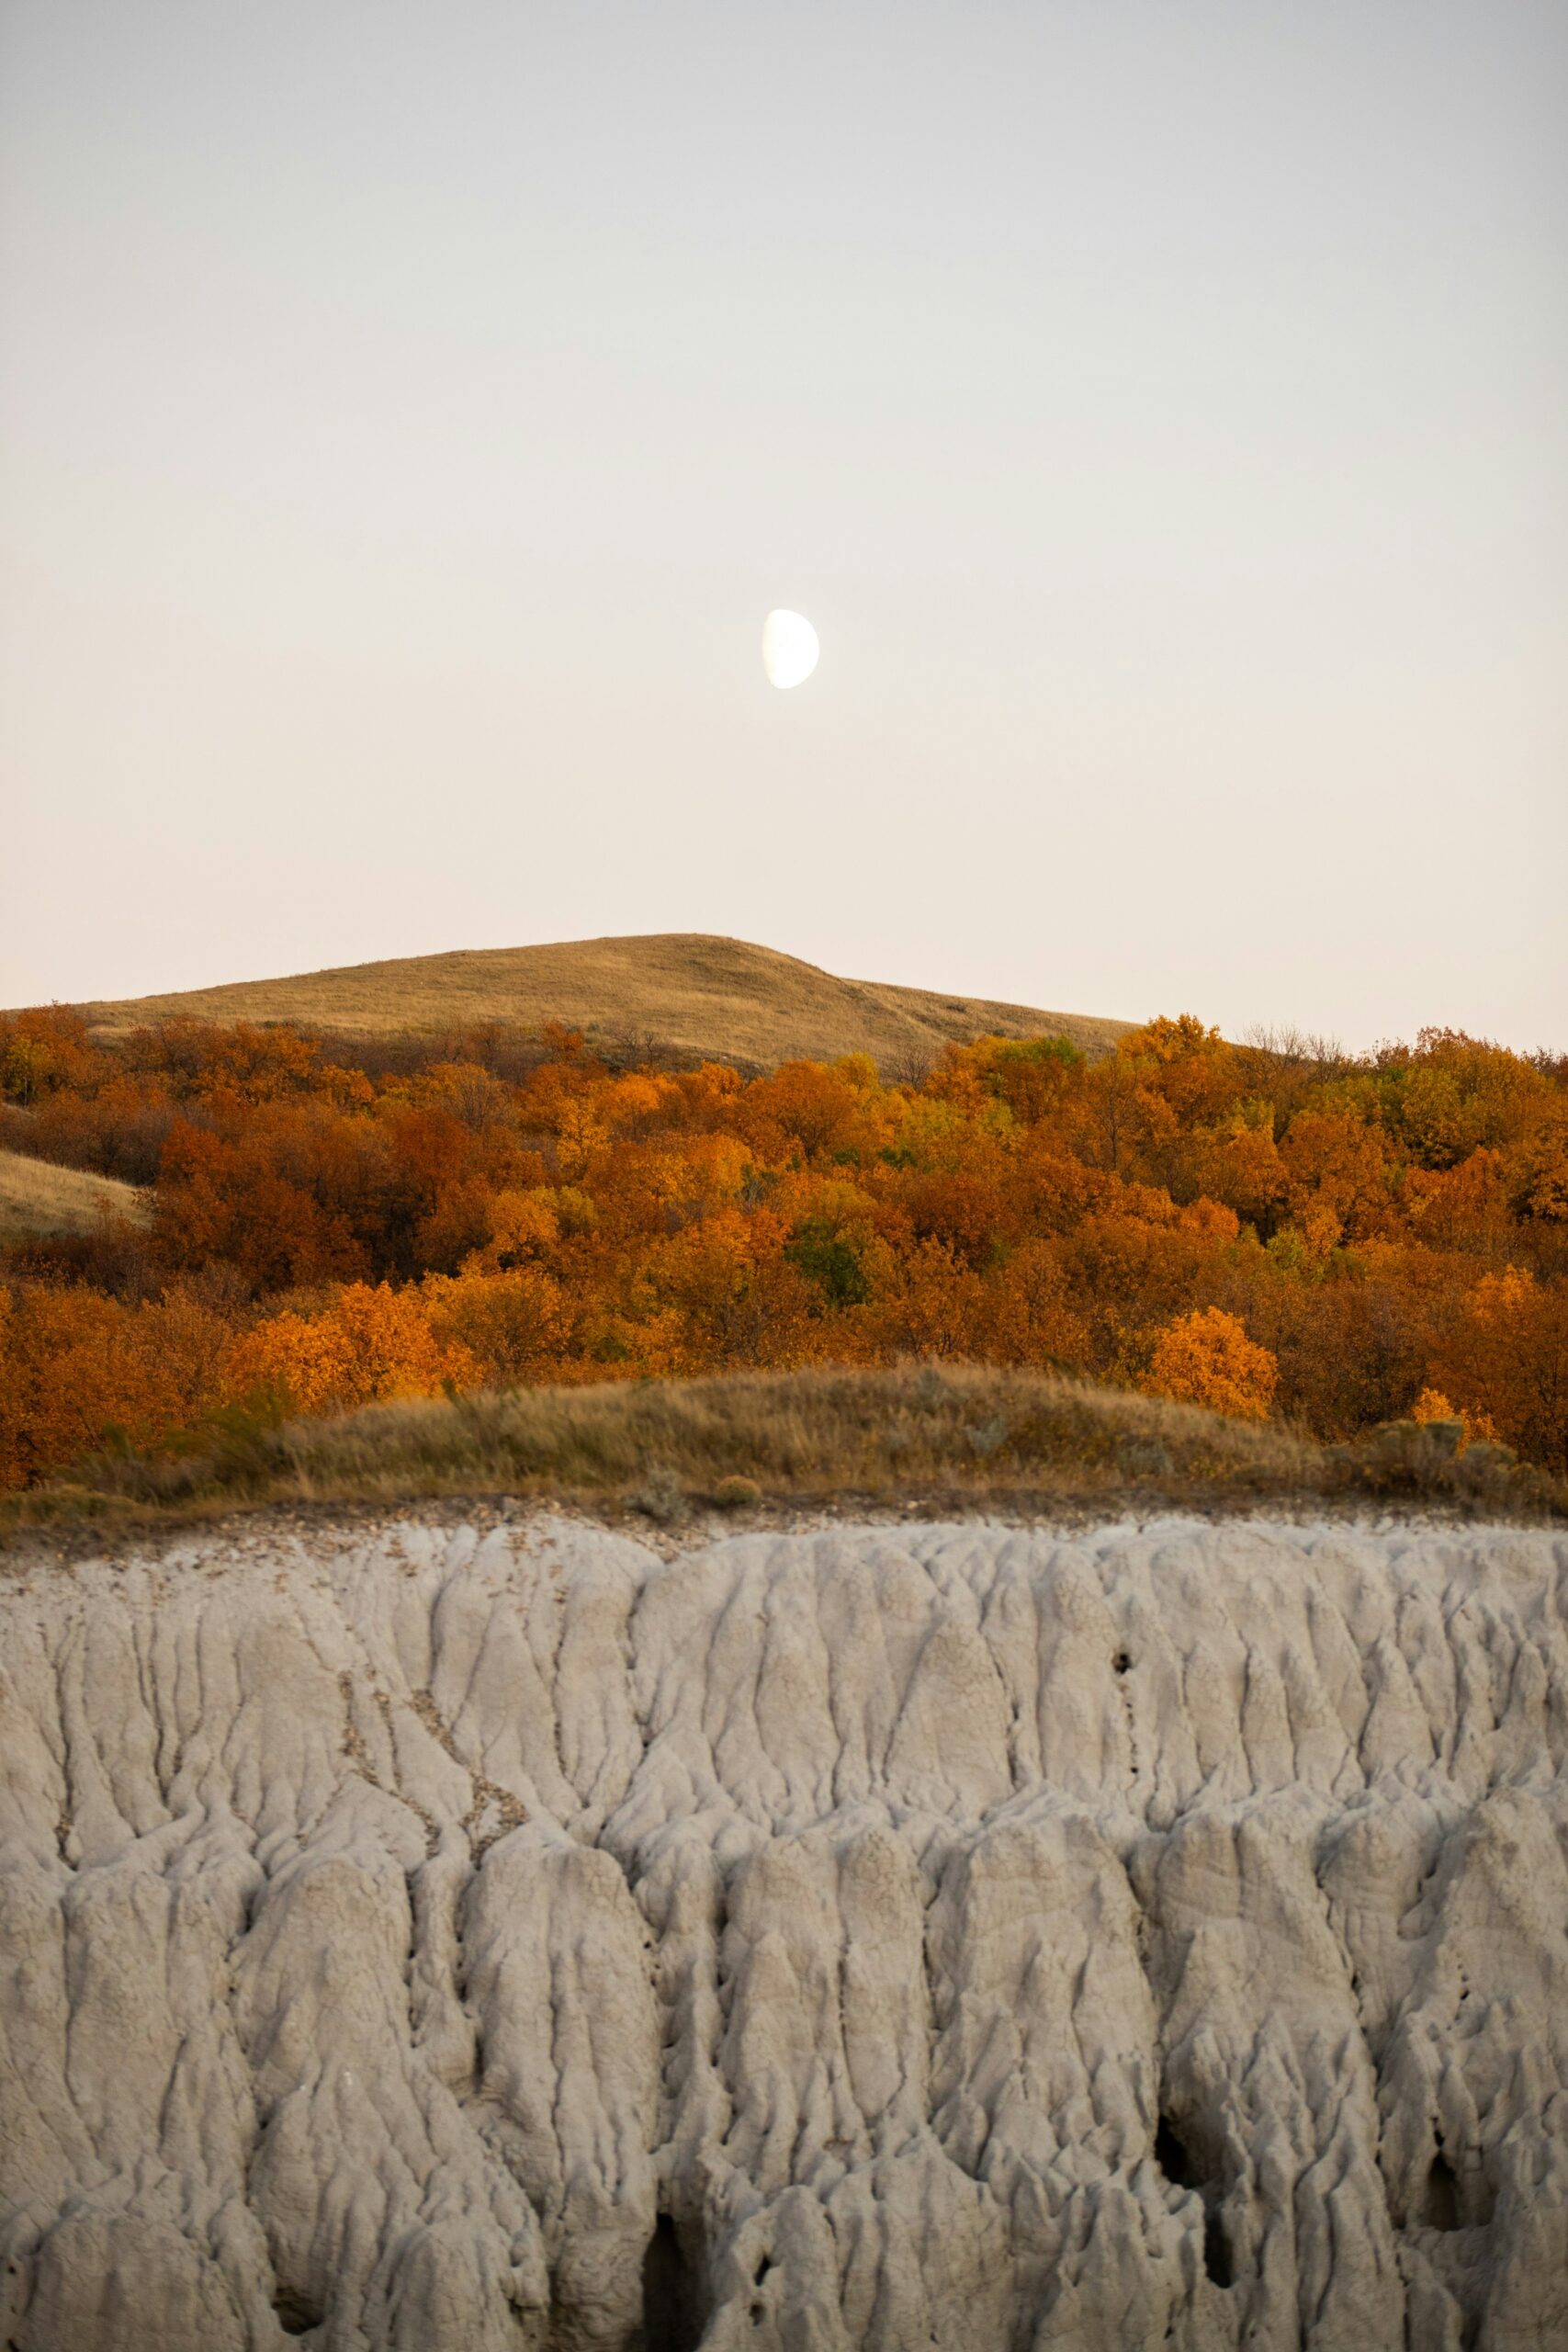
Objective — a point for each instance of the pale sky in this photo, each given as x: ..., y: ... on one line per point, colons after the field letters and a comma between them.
x: 1160, y: 407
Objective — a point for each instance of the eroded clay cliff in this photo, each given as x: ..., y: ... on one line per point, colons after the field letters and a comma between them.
x: 957, y: 1937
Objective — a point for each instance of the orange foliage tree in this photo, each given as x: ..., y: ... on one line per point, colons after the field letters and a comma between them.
x: 78, y: 1369
x: 367, y: 1345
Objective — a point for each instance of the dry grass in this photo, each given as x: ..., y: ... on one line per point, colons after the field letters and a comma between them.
x: 686, y: 992
x: 955, y: 1438
x: 37, y: 1199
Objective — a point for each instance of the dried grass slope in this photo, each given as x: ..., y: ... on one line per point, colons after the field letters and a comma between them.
x: 688, y: 991
x: 966, y: 1437
x: 37, y: 1199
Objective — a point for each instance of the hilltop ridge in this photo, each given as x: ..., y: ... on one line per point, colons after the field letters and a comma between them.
x: 690, y: 992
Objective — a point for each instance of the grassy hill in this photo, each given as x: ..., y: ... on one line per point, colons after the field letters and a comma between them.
x: 37, y: 1198
x: 682, y: 991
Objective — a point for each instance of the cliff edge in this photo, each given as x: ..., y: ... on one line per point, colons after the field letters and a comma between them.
x: 952, y: 1936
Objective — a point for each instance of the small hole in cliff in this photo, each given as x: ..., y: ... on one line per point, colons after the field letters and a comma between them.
x: 1121, y: 1662
x: 1441, y: 2210
x: 674, y: 2303
x: 296, y: 2316
x: 1176, y: 2160
x: 1170, y: 2154
x: 761, y: 2270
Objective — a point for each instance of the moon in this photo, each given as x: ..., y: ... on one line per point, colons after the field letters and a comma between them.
x: 789, y: 649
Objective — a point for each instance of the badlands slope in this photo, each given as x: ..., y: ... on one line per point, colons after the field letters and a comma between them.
x: 950, y: 1936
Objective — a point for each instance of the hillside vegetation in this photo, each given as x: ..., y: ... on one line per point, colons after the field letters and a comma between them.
x: 958, y: 1437
x: 683, y: 992
x: 1314, y: 1242
x: 38, y: 1200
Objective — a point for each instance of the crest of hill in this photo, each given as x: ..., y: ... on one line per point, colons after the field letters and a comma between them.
x: 684, y: 992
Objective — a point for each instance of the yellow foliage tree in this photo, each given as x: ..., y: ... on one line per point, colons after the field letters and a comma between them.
x: 1206, y: 1358
x: 523, y: 1225
x: 516, y: 1325
x: 1433, y: 1405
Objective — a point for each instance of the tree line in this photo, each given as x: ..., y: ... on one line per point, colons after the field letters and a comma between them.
x: 1274, y: 1229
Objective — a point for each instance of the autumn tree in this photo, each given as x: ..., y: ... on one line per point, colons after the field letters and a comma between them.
x: 1205, y: 1358
x: 367, y: 1345
x: 1506, y: 1356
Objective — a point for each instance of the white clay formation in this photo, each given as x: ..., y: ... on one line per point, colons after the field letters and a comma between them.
x: 940, y: 1940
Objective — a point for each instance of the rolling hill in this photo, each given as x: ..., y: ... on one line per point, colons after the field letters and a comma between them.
x: 685, y: 992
